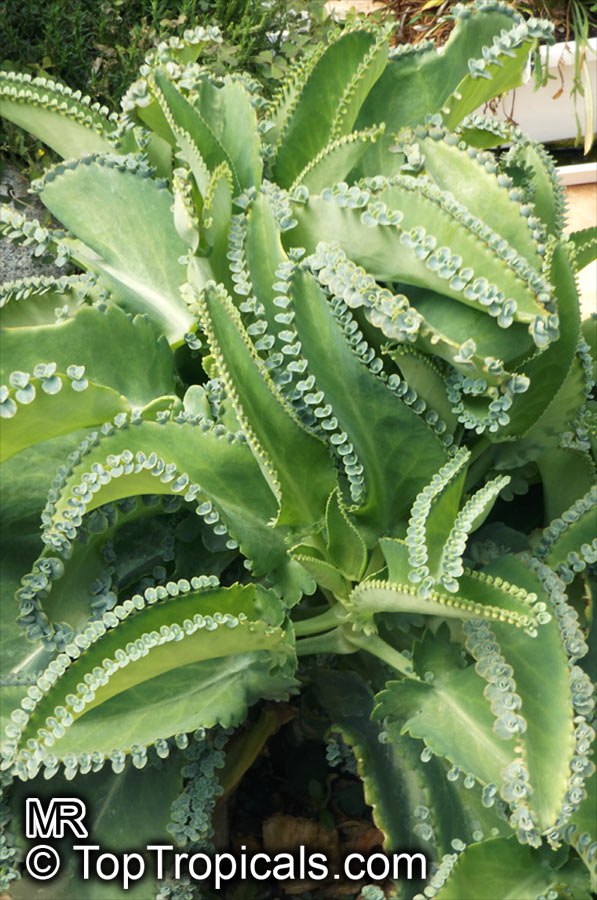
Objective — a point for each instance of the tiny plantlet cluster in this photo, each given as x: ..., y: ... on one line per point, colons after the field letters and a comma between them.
x: 311, y: 409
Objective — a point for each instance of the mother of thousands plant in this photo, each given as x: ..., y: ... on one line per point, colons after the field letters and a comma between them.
x: 315, y: 414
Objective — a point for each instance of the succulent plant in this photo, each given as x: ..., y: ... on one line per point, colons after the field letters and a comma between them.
x: 320, y: 387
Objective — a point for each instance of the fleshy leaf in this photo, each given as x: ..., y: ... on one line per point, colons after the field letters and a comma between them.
x: 139, y: 260
x: 139, y: 689
x: 274, y: 428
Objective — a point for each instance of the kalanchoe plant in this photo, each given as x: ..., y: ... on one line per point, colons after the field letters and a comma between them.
x: 322, y: 388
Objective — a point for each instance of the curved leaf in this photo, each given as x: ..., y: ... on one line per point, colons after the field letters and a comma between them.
x: 153, y: 669
x: 272, y: 429
x: 123, y: 217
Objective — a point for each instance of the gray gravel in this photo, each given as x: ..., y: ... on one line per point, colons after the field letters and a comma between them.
x: 17, y: 261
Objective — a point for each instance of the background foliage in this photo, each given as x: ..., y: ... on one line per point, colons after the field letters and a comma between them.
x: 97, y: 48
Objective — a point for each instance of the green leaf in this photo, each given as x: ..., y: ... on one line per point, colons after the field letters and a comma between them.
x: 448, y: 323
x: 271, y: 426
x: 582, y: 826
x: 138, y: 258
x: 541, y: 674
x: 585, y: 247
x: 488, y: 78
x: 453, y: 702
x: 117, y: 352
x: 380, y: 238
x: 505, y: 868
x: 568, y: 543
x: 438, y: 529
x: 452, y: 716
x: 24, y: 485
x: 215, y: 221
x: 548, y: 372
x: 424, y: 376
x: 329, y: 101
x: 50, y: 415
x: 534, y: 169
x: 325, y: 574
x: 33, y: 301
x: 432, y: 518
x: 418, y: 81
x: 395, y: 446
x: 66, y: 593
x: 221, y: 124
x: 566, y: 474
x: 474, y: 179
x: 51, y: 112
x: 345, y: 547
x: 224, y: 469
x: 264, y: 253
x: 413, y: 802
x: 478, y: 597
x: 336, y: 159
x: 207, y: 656
x: 392, y: 794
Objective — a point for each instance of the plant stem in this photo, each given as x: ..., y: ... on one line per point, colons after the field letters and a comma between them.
x: 332, y: 642
x: 323, y: 622
x: 373, y: 644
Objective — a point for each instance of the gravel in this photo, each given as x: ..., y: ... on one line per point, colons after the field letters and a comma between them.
x: 17, y: 261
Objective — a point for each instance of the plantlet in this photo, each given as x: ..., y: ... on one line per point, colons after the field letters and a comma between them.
x: 321, y: 389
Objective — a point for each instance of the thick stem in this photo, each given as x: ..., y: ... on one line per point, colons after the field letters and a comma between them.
x: 323, y: 622
x: 373, y: 644
x: 332, y: 642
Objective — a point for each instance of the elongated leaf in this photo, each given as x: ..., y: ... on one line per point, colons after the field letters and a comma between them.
x: 221, y: 123
x: 385, y: 241
x: 453, y: 718
x: 566, y: 474
x: 478, y: 597
x: 548, y: 371
x: 569, y: 543
x: 490, y: 77
x: 423, y: 376
x: 51, y: 112
x: 264, y: 253
x: 585, y: 247
x: 449, y: 322
x: 432, y: 518
x: 348, y: 68
x: 418, y: 81
x: 227, y: 476
x: 413, y: 802
x: 345, y: 545
x: 33, y: 301
x: 582, y: 828
x: 271, y: 427
x: 541, y: 674
x: 453, y: 702
x: 532, y: 166
x: 152, y: 689
x: 348, y: 700
x: 124, y: 217
x: 337, y: 159
x: 475, y: 180
x: 73, y: 589
x: 393, y: 444
x: 215, y: 225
